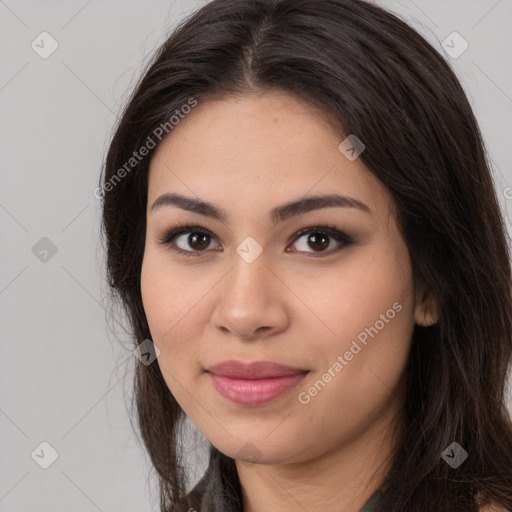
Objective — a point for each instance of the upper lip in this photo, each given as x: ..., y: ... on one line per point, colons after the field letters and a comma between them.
x: 253, y: 370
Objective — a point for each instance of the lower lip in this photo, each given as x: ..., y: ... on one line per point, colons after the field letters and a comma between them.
x: 254, y: 391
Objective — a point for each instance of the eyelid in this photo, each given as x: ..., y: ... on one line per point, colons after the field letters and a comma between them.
x: 328, y: 229
x: 179, y: 229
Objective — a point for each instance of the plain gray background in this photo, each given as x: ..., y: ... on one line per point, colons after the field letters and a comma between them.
x: 62, y: 374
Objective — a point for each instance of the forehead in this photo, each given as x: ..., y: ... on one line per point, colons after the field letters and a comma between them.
x: 259, y: 149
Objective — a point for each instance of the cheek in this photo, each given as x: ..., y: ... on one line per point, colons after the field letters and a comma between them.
x: 371, y: 313
x: 166, y: 305
x: 172, y: 299
x: 164, y: 297
x: 354, y: 296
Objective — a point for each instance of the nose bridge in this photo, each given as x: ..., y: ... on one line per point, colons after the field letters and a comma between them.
x: 249, y: 299
x: 249, y: 275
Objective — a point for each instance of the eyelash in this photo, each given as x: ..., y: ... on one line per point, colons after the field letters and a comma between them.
x: 325, y: 229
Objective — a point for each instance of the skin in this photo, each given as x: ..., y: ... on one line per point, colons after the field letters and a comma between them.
x: 248, y: 155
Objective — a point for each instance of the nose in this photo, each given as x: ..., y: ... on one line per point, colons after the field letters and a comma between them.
x: 252, y: 301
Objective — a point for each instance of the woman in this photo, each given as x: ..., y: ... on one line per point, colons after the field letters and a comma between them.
x: 299, y: 215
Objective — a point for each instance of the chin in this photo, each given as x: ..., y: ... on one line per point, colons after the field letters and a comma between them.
x: 254, y: 452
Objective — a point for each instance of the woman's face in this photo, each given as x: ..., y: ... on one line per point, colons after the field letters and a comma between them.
x: 339, y: 311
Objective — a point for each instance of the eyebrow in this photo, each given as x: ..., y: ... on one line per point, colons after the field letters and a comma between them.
x: 277, y: 214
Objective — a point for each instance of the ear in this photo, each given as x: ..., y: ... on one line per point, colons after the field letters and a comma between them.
x: 426, y: 312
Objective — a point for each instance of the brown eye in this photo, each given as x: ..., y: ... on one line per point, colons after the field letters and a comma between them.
x: 318, y: 238
x: 318, y: 241
x: 195, y: 240
x: 187, y: 240
x: 198, y: 241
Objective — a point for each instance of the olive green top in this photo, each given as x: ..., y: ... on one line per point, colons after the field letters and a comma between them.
x: 214, y: 493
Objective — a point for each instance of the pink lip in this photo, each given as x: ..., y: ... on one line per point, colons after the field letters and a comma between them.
x: 253, y: 383
x: 254, y: 370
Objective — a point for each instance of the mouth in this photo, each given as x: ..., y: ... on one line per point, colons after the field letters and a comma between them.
x: 253, y: 383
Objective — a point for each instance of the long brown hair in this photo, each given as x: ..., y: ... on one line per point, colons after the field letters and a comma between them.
x: 376, y: 77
